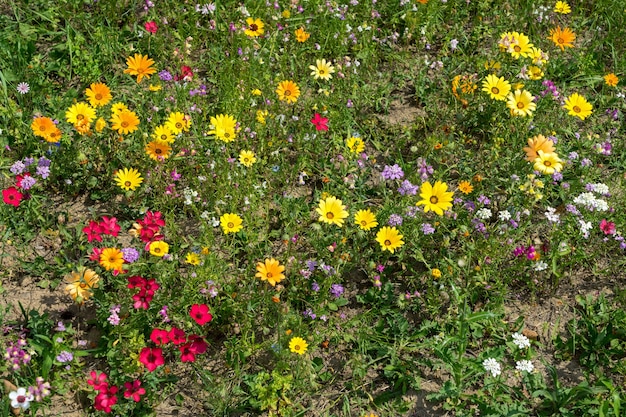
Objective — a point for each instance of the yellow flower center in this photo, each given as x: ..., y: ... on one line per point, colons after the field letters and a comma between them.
x: 42, y: 128
x: 560, y: 41
x: 269, y: 275
x: 127, y: 183
x: 157, y: 250
x: 80, y: 117
x: 576, y: 109
x: 330, y: 215
x: 230, y: 225
x: 296, y: 347
x: 158, y: 151
x: 387, y: 242
x: 517, y: 48
x: 547, y: 163
x: 179, y: 125
x: 434, y: 200
x: 82, y: 285
x: 287, y: 92
x: 124, y: 124
x: 226, y: 134
x: 495, y: 90
x: 520, y: 105
x: 163, y: 137
x: 98, y: 96
x: 363, y: 223
x: 321, y: 71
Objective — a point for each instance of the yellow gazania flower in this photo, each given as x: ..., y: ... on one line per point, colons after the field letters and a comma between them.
x: 112, y: 259
x: 271, y: 271
x: 562, y: 7
x: 192, y: 259
x: 247, y: 158
x: 548, y: 163
x: 163, y: 133
x: 538, y: 143
x: 128, y: 179
x: 302, y: 35
x: 298, y: 345
x: 177, y: 123
x: 261, y: 115
x: 231, y: 223
x: 331, y: 211
x: 492, y: 64
x: 538, y: 56
x: 435, y: 198
x: 98, y: 94
x: 497, y: 88
x: 520, y: 45
x: 389, y: 238
x: 562, y: 37
x: 80, y: 113
x: 288, y: 91
x: 322, y: 69
x: 42, y: 126
x: 118, y: 107
x: 159, y: 248
x: 466, y: 187
x: 100, y: 124
x: 535, y: 73
x: 158, y: 150
x: 124, y: 122
x: 139, y: 65
x: 224, y: 127
x: 365, y: 219
x: 356, y: 145
x: 255, y: 27
x: 611, y: 80
x: 81, y: 283
x: 578, y: 106
x: 521, y: 103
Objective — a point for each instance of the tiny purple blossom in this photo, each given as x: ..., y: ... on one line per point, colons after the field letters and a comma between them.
x: 336, y: 290
x: 393, y: 172
x: 395, y: 220
x: 427, y: 229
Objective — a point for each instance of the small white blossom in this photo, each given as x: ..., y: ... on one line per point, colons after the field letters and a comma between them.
x: 552, y: 215
x: 483, y: 213
x: 504, y: 215
x: 491, y: 365
x: 521, y: 341
x: 524, y: 365
x: 540, y: 266
x: 20, y: 398
x: 585, y: 227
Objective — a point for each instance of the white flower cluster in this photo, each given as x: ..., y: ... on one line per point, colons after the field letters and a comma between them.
x: 552, y: 215
x: 540, y: 266
x: 524, y: 365
x: 585, y: 227
x: 492, y: 365
x: 599, y: 188
x: 504, y: 215
x: 591, y: 203
x: 521, y: 341
x: 483, y: 213
x: 190, y: 195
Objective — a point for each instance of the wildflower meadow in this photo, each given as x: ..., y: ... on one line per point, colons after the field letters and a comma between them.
x: 368, y: 208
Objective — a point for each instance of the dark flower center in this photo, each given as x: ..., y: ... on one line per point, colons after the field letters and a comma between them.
x: 230, y: 225
x: 495, y: 90
x: 434, y: 200
x: 576, y: 109
x: 387, y: 242
x: 520, y: 105
x: 330, y: 215
x: 127, y: 183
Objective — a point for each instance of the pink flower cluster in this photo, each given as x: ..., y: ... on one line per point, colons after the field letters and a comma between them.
x: 107, y: 226
x: 147, y: 288
x: 107, y: 397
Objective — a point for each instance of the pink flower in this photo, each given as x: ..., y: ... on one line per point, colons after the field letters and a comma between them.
x: 607, y: 227
x: 321, y: 123
x: 95, y: 254
x: 142, y: 299
x: 151, y: 27
x: 151, y: 358
x: 159, y: 336
x: 134, y: 390
x: 12, y: 196
x: 200, y: 313
x: 109, y: 226
x: 177, y: 336
x: 98, y: 381
x: 106, y: 399
x: 196, y: 345
x: 93, y: 231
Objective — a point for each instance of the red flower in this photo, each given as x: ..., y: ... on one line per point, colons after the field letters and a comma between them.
x: 159, y: 336
x: 95, y: 254
x: 321, y: 123
x: 142, y: 299
x: 98, y: 381
x: 607, y: 227
x: 136, y: 282
x: 151, y: 358
x: 151, y: 286
x: 151, y: 27
x: 134, y: 390
x: 185, y: 74
x: 177, y: 336
x: 12, y: 196
x: 93, y: 231
x: 200, y: 313
x: 105, y: 400
x: 198, y: 344
x: 109, y: 226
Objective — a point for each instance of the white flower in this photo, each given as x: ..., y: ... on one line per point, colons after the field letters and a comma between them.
x: 20, y: 398
x: 524, y: 365
x: 521, y: 341
x: 552, y: 215
x: 492, y: 365
x: 540, y: 266
x: 23, y: 88
x: 483, y: 213
x: 504, y: 215
x: 585, y: 227
x: 600, y: 188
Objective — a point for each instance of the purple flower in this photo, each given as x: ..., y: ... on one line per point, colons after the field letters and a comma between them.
x: 393, y: 172
x: 407, y: 188
x: 65, y: 356
x: 395, y: 220
x: 130, y: 255
x: 585, y: 162
x: 315, y: 286
x: 311, y: 264
x: 424, y: 169
x: 43, y: 172
x: 17, y: 168
x: 43, y: 162
x: 557, y: 176
x: 427, y: 229
x: 411, y: 211
x: 28, y: 182
x: 60, y: 327
x: 336, y: 290
x: 165, y: 75
x: 483, y: 200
